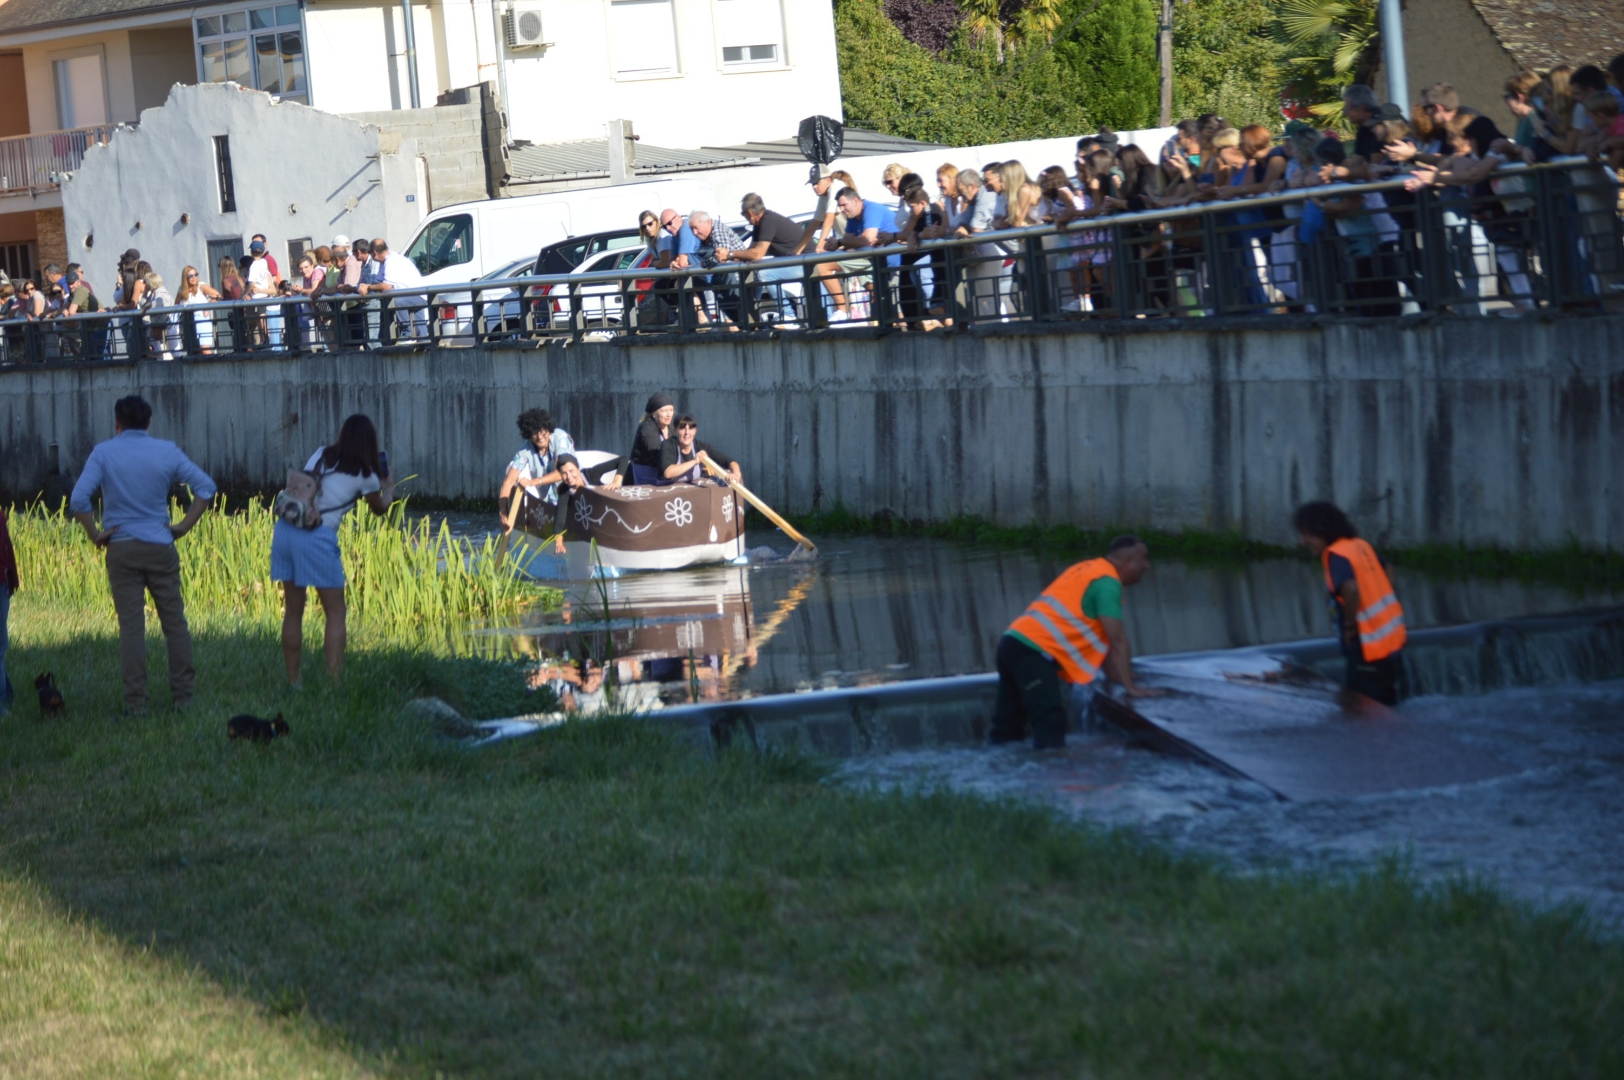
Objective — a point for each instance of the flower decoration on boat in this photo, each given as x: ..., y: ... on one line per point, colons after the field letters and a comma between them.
x: 727, y: 508
x: 679, y: 512
x: 583, y: 513
x: 641, y: 492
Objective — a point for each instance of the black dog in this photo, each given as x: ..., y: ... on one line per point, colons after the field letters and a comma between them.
x: 50, y: 698
x: 254, y: 729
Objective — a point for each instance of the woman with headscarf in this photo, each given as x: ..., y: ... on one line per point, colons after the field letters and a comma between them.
x: 652, y: 432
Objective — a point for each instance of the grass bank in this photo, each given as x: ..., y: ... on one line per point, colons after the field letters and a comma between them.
x: 1577, y: 568
x: 362, y: 900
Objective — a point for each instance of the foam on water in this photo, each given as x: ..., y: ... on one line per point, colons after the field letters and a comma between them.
x: 1548, y: 832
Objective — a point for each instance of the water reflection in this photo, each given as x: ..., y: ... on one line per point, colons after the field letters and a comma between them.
x: 882, y: 610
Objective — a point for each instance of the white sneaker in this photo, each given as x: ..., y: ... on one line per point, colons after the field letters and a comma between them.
x: 1074, y: 304
x: 837, y: 315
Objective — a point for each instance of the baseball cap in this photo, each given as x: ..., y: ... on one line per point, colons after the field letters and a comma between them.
x: 1389, y: 111
x: 819, y: 172
x: 340, y: 241
x: 132, y: 254
x: 1295, y: 126
x: 257, y: 248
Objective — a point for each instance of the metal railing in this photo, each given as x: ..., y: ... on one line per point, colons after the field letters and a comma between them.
x: 30, y: 163
x: 1543, y: 237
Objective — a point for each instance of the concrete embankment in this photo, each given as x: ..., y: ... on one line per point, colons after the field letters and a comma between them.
x: 1477, y: 431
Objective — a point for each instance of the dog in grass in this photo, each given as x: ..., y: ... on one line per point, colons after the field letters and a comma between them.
x: 50, y: 698
x: 254, y: 729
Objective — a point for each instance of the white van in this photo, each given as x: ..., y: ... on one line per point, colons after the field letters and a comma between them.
x: 468, y: 240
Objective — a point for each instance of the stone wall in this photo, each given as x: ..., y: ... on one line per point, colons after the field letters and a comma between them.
x: 451, y: 138
x: 1484, y: 432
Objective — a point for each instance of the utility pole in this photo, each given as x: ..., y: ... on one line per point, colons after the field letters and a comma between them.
x: 411, y: 53
x: 1165, y: 46
x: 1398, y: 76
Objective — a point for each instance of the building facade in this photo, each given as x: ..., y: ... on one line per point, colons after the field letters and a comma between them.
x: 687, y: 73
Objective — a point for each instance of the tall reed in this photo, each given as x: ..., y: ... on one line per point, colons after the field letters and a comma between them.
x: 404, y: 576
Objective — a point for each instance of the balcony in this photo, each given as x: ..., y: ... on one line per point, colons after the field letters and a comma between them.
x: 34, y: 164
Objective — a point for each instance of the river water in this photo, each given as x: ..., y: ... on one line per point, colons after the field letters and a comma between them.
x: 871, y: 611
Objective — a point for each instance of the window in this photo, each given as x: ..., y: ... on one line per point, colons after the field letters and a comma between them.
x: 17, y: 260
x: 443, y: 243
x: 81, y: 92
x: 750, y: 33
x: 296, y: 248
x: 258, y: 47
x: 222, y: 173
x: 645, y: 38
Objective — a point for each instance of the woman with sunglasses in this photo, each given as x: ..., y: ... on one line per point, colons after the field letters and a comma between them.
x: 194, y: 290
x: 648, y: 230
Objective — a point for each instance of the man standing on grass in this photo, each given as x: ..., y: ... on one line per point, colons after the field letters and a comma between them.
x: 135, y: 472
x: 1069, y: 634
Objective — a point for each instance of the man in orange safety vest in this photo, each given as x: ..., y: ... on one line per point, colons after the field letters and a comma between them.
x: 1365, y: 611
x: 1070, y: 634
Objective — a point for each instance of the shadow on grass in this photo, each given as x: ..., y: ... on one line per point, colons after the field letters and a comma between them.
x: 601, y: 900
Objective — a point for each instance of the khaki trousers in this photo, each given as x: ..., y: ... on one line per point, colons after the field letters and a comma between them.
x: 135, y: 568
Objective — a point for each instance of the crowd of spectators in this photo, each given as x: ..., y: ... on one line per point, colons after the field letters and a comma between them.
x: 1440, y: 143
x: 342, y: 273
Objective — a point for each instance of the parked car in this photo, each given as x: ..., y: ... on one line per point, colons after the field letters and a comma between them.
x: 456, y: 310
x: 566, y: 255
x: 601, y: 302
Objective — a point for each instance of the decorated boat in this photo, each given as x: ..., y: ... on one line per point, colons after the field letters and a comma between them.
x: 638, y: 527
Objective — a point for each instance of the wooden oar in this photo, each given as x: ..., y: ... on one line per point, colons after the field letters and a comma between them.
x: 513, y: 523
x: 749, y: 496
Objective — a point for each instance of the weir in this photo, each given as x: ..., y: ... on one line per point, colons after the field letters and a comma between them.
x: 1272, y: 714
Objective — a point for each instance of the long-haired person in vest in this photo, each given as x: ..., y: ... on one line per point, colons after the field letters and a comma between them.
x: 352, y: 470
x: 1070, y: 634
x: 1365, y: 611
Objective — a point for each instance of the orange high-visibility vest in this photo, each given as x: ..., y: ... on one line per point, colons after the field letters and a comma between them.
x: 1056, y: 624
x: 1380, y: 617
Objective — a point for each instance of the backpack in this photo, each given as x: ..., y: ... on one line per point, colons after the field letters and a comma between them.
x: 298, y: 503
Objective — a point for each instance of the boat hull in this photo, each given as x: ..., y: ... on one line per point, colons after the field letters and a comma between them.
x: 638, y: 528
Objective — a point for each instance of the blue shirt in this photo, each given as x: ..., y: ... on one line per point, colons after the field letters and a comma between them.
x: 874, y: 216
x: 135, y: 472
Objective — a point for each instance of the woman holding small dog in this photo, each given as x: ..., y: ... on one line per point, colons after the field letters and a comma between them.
x: 350, y: 470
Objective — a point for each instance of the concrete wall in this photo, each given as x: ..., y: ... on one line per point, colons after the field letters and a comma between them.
x: 299, y: 173
x: 451, y: 139
x: 1486, y: 432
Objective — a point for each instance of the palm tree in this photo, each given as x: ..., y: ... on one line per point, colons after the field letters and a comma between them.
x: 1334, y: 43
x: 1012, y: 23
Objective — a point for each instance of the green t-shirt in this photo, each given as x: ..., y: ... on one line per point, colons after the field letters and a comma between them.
x: 1101, y: 600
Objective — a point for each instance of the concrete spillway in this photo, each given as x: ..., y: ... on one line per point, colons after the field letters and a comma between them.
x: 1269, y: 714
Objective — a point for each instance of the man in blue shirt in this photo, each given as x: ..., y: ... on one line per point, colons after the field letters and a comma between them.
x: 866, y: 221
x: 135, y: 472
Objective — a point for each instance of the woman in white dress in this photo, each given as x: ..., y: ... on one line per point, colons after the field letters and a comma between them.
x: 194, y: 290
x: 352, y: 470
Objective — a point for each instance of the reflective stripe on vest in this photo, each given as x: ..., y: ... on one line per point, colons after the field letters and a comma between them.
x: 1380, y: 617
x: 1055, y: 622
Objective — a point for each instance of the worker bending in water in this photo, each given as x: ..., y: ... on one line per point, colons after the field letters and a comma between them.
x: 1069, y: 634
x: 1365, y: 612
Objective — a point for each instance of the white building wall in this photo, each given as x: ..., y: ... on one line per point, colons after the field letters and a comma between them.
x: 570, y: 90
x: 298, y: 173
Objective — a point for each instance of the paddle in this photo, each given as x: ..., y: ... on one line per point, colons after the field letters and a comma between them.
x: 512, y: 523
x: 749, y: 496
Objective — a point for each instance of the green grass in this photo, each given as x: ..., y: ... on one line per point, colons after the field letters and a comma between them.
x: 599, y: 900
x: 1572, y: 567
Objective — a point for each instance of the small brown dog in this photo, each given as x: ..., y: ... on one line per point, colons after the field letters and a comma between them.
x: 50, y: 698
x: 254, y: 729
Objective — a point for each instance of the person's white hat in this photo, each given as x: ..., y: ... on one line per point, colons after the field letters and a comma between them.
x: 340, y: 241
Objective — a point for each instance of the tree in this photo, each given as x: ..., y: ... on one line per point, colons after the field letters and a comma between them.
x: 1110, y: 59
x: 1012, y: 23
x: 1227, y: 61
x: 1330, y: 44
x: 966, y: 96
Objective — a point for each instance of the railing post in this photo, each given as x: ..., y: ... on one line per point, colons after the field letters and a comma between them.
x: 1435, y: 250
x: 882, y: 303
x: 1039, y: 298
x: 951, y: 274
x: 1214, y: 263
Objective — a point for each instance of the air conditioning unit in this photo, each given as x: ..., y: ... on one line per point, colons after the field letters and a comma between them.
x: 524, y: 26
